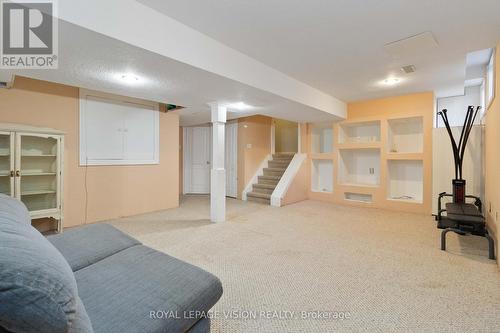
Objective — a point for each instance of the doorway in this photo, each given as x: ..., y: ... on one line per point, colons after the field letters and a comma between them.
x: 197, y: 155
x: 286, y: 136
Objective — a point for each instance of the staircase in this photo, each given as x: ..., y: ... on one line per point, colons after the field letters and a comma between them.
x: 261, y: 192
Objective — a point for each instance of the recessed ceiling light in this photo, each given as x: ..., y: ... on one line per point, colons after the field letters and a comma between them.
x: 391, y: 81
x: 239, y: 106
x: 129, y: 78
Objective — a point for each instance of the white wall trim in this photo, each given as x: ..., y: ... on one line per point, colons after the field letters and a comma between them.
x: 255, y: 178
x: 287, y: 179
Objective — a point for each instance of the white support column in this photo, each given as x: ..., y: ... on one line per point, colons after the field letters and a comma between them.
x: 218, y: 173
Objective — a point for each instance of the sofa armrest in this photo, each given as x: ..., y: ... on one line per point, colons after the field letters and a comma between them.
x: 84, y: 246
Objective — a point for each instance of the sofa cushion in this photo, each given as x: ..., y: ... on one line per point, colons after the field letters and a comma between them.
x: 84, y: 246
x: 37, y: 287
x: 121, y: 291
x: 13, y: 210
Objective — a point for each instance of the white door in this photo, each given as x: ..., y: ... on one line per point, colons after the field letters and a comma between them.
x: 231, y: 159
x: 196, y: 151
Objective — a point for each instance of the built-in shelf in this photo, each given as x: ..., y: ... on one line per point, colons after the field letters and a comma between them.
x: 405, y: 180
x: 358, y: 197
x: 322, y: 138
x: 405, y: 156
x: 40, y: 155
x: 359, y: 167
x: 322, y: 176
x: 406, y: 135
x: 29, y: 174
x: 37, y: 192
x: 359, y: 145
x: 359, y: 132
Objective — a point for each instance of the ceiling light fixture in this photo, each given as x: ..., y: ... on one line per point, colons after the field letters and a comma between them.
x: 128, y: 78
x: 391, y: 81
x: 241, y: 106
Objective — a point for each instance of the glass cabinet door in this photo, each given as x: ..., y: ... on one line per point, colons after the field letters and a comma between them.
x: 37, y: 174
x: 6, y: 163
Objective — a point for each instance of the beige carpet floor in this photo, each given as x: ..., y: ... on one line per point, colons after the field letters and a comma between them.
x: 381, y: 271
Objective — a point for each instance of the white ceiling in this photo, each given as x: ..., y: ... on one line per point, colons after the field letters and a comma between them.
x: 337, y: 46
x: 94, y: 61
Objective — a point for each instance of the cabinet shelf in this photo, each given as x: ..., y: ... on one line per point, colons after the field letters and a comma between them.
x: 39, y: 155
x: 37, y: 192
x: 4, y: 173
x: 30, y: 174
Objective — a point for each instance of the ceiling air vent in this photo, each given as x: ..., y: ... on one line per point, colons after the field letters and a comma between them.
x: 408, y: 69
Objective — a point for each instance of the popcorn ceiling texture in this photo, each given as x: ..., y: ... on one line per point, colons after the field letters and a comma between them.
x: 383, y: 268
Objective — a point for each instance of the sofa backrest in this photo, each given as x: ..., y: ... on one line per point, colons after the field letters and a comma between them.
x: 38, y: 291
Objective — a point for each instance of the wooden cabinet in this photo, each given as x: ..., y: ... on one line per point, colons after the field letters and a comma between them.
x: 31, y: 169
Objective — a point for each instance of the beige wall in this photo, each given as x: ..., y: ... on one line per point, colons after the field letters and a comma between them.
x: 113, y: 191
x: 492, y: 160
x: 285, y: 136
x: 421, y: 104
x: 254, y: 131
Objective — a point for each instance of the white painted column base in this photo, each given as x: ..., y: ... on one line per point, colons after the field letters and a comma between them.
x: 218, y: 173
x: 217, y: 195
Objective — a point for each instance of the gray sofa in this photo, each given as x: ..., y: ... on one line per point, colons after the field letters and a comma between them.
x: 95, y: 279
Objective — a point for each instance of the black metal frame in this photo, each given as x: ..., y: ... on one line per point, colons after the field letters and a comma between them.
x: 462, y: 226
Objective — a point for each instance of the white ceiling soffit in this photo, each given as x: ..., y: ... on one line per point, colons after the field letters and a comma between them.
x: 97, y: 62
x: 337, y: 46
x: 141, y: 26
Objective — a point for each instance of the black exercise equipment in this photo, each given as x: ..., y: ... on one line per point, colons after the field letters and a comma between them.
x: 461, y: 217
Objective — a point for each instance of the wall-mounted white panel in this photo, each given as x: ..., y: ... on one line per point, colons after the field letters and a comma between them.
x: 116, y: 131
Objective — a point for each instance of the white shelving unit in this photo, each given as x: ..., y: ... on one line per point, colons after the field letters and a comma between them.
x: 322, y: 176
x: 406, y: 135
x: 5, y: 163
x: 31, y: 168
x: 322, y: 138
x: 405, y: 180
x: 360, y: 132
x: 359, y: 167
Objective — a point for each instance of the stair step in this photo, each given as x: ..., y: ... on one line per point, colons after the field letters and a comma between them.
x: 259, y: 200
x: 259, y: 195
x: 279, y: 163
x: 268, y: 172
x: 263, y: 188
x: 271, y: 180
x: 275, y: 169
